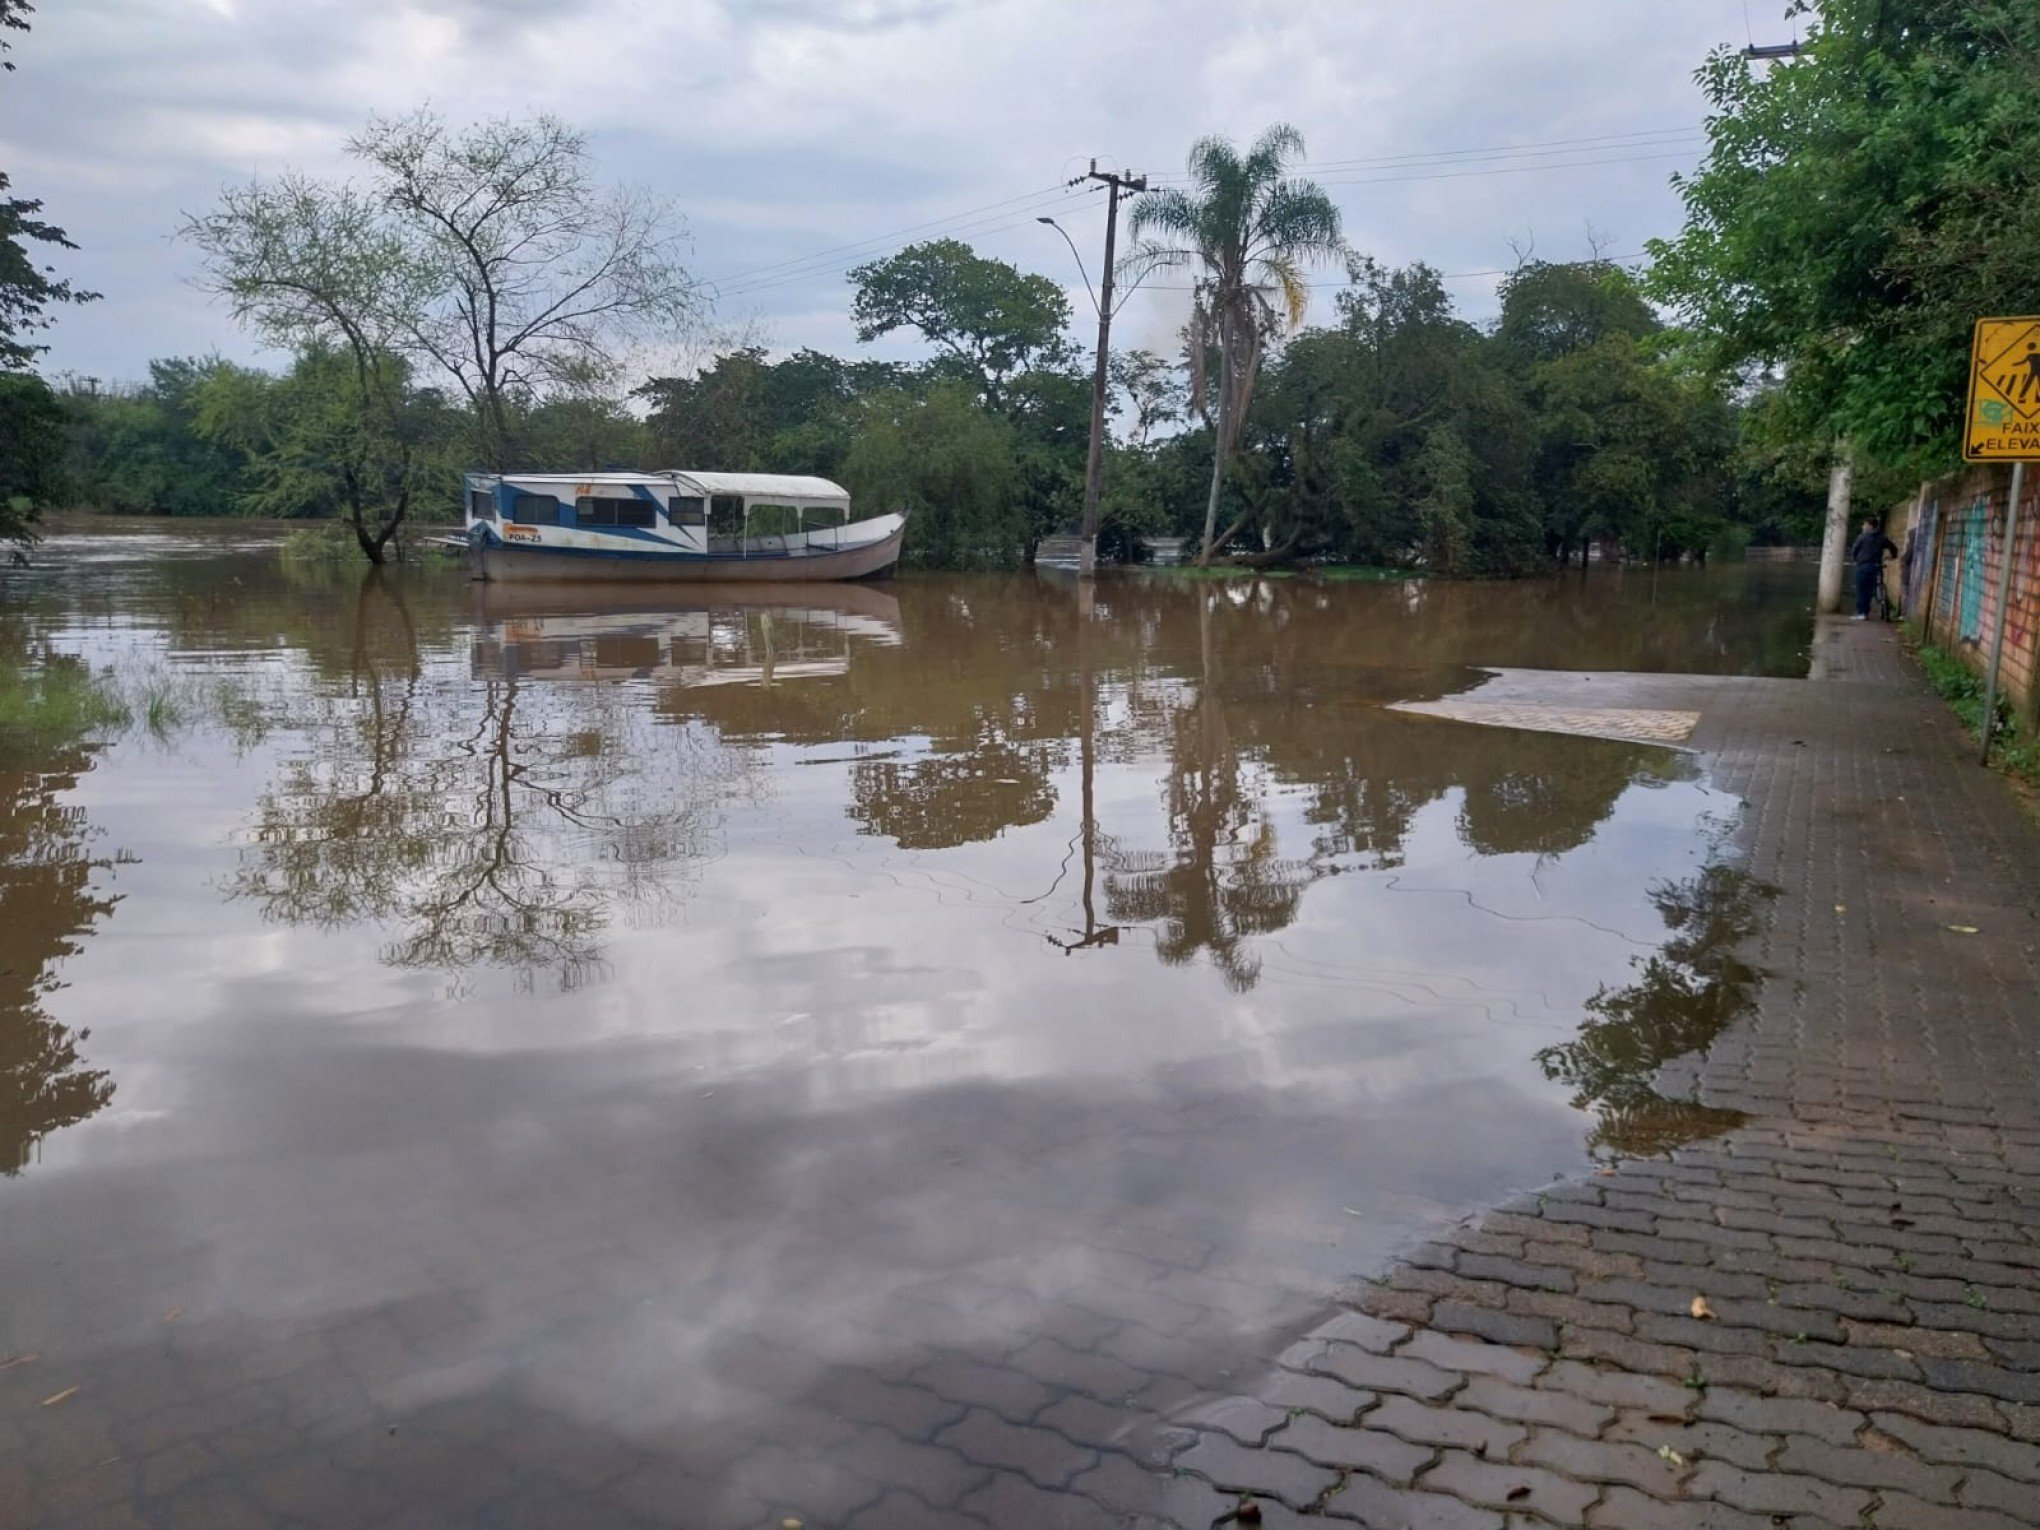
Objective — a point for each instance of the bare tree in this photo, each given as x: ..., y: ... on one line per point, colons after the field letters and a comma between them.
x: 536, y: 277
x: 486, y: 253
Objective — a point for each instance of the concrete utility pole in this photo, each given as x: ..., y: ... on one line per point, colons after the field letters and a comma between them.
x: 1834, y: 544
x: 1094, y: 468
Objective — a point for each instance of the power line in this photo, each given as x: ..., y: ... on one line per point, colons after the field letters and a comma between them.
x: 1441, y: 157
x: 913, y: 228
x: 784, y: 272
x: 1443, y: 276
x: 1013, y: 212
x: 818, y: 265
x: 1456, y: 175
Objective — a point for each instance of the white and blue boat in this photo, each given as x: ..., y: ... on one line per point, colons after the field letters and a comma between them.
x: 673, y: 527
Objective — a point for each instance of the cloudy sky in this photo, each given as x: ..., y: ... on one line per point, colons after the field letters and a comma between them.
x: 799, y: 136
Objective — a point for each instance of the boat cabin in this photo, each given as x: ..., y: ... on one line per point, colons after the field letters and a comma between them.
x: 729, y: 513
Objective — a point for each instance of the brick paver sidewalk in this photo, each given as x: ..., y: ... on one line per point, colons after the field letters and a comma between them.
x: 1830, y: 1315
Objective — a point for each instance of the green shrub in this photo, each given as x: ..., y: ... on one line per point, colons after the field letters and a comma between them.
x: 2014, y: 748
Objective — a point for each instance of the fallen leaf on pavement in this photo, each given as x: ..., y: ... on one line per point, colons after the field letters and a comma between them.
x: 1701, y: 1309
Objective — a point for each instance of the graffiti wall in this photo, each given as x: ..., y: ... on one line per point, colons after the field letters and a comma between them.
x: 1957, y: 551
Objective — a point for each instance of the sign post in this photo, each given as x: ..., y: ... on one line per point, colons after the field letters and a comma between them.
x: 2002, y: 424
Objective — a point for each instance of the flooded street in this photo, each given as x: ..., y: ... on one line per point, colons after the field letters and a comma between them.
x: 534, y: 1056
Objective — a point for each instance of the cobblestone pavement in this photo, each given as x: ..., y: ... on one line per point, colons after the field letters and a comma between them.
x: 1828, y: 1316
x: 1864, y: 1252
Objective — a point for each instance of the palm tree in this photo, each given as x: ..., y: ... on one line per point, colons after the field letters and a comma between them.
x: 1249, y: 227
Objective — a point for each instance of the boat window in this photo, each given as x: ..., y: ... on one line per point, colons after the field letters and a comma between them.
x: 592, y: 511
x: 726, y: 515
x: 687, y: 510
x: 535, y: 510
x: 823, y: 517
x: 773, y: 520
x: 482, y: 505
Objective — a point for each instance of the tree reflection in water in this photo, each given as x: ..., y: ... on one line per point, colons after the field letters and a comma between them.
x: 501, y: 825
x: 47, y: 903
x: 1685, y: 995
x: 1222, y: 881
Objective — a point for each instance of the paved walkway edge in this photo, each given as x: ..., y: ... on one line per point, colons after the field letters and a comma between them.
x: 1829, y: 1315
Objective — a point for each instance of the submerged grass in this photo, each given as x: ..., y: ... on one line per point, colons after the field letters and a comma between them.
x: 1215, y: 571
x: 1365, y: 573
x: 52, y: 700
x: 2015, y: 750
x: 53, y: 697
x: 1334, y: 573
x: 320, y: 542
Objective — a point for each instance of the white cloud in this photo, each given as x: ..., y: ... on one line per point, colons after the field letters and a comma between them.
x: 787, y: 127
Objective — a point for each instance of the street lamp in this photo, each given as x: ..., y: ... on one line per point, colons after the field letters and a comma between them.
x: 1101, y: 300
x: 1074, y: 255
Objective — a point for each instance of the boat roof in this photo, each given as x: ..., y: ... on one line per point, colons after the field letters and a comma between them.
x: 792, y: 486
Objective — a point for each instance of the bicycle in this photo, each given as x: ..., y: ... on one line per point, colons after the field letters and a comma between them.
x: 1882, y: 605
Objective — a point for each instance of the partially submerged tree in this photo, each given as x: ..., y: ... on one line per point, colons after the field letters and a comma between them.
x: 304, y: 446
x: 1248, y: 228
x: 314, y: 267
x: 487, y: 254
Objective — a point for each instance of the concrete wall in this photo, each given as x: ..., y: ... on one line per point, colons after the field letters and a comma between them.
x: 1958, y: 560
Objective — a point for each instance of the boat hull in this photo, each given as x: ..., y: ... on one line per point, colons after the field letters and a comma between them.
x: 510, y: 564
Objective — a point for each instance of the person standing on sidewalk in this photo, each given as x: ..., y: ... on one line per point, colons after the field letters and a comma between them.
x: 1868, y: 553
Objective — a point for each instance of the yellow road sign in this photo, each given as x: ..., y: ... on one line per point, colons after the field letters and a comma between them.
x: 2003, y: 422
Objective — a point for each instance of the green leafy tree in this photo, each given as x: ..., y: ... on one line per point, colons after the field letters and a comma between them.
x: 1393, y: 438
x: 1552, y: 309
x: 1248, y: 228
x: 137, y: 450
x: 1859, y: 208
x: 34, y: 443
x: 31, y: 451
x: 308, y: 449
x: 1630, y: 452
x: 951, y: 465
x: 28, y: 288
x: 583, y: 423
x: 988, y: 321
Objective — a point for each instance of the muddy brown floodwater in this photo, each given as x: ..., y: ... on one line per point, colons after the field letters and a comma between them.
x: 547, y: 1057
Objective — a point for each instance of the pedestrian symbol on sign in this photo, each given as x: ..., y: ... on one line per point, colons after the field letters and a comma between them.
x: 2004, y: 392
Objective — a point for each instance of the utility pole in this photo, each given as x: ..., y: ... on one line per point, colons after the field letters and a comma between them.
x: 1834, y: 542
x: 1094, y: 469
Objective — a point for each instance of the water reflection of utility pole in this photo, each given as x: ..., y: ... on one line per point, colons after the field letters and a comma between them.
x: 1094, y: 934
